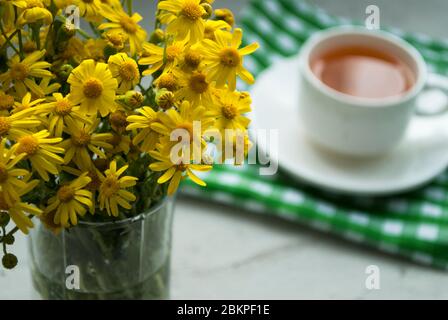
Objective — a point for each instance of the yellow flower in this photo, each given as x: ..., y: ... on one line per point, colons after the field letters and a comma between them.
x: 93, y: 87
x: 59, y: 111
x: 82, y: 140
x: 116, y: 39
x: 94, y: 49
x: 195, y: 88
x: 18, y: 124
x: 224, y: 59
x: 211, y: 26
x: 225, y: 15
x: 94, y: 184
x: 6, y: 101
x: 47, y: 87
x: 18, y: 211
x: 26, y: 103
x: 112, y: 190
x: 183, y: 17
x: 35, y: 11
x: 10, y: 182
x: 22, y: 73
x: 41, y: 152
x: 229, y: 110
x: 175, y: 172
x: 71, y: 200
x: 156, y: 56
x: 18, y: 3
x: 120, y: 143
x: 142, y: 123
x: 87, y: 8
x: 125, y: 70
x: 184, y: 119
x: 121, y: 22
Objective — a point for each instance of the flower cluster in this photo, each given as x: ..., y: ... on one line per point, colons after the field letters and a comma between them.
x: 87, y: 116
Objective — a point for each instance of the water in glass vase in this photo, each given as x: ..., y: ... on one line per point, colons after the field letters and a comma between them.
x: 154, y: 287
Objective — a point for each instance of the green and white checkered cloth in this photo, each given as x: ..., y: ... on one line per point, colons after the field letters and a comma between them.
x: 413, y: 225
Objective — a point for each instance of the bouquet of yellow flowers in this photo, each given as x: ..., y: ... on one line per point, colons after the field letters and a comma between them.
x: 94, y: 110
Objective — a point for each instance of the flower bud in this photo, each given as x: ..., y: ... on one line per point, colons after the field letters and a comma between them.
x: 208, y: 10
x: 164, y: 99
x: 118, y: 121
x: 65, y: 70
x: 157, y: 36
x: 132, y: 99
x: 9, y: 239
x: 4, y: 219
x: 9, y: 261
x: 226, y: 15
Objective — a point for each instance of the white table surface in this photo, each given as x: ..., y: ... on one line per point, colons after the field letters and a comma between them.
x: 221, y: 252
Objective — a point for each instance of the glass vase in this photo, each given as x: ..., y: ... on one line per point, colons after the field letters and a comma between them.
x: 126, y: 259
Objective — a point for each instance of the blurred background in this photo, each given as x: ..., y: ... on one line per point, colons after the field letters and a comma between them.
x: 223, y: 252
x: 411, y: 15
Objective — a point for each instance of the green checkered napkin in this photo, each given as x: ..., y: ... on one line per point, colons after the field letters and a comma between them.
x: 414, y: 225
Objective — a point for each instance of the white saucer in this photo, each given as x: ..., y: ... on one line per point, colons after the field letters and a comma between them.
x: 422, y: 155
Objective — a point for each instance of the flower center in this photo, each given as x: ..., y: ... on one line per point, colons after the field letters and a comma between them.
x: 182, y: 167
x: 110, y: 186
x: 66, y: 194
x: 229, y: 112
x: 63, y: 107
x: 193, y: 59
x: 128, y: 71
x: 167, y: 81
x: 6, y: 101
x: 19, y: 71
x: 198, y: 82
x: 115, y: 39
x: 82, y: 139
x: 129, y: 25
x: 93, y: 88
x: 4, y: 126
x: 230, y: 57
x: 192, y: 10
x: 28, y: 145
x: 172, y: 52
x: 3, y: 174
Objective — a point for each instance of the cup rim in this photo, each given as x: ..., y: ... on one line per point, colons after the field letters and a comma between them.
x: 401, y: 44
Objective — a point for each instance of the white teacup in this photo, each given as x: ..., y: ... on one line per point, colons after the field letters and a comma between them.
x: 354, y: 125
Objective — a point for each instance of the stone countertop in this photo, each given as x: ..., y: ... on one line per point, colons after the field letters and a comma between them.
x: 221, y: 252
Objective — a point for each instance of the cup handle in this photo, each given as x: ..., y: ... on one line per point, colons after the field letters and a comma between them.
x: 433, y: 100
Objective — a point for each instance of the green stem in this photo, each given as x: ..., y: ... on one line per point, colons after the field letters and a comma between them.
x: 20, y: 42
x: 3, y: 47
x: 8, y: 41
x: 3, y: 242
x: 129, y: 5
